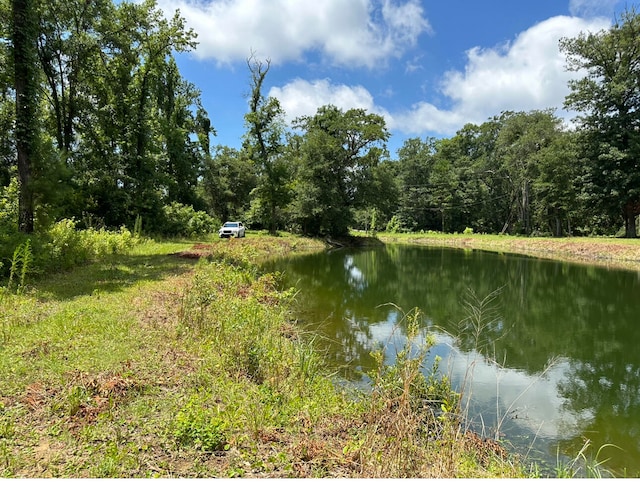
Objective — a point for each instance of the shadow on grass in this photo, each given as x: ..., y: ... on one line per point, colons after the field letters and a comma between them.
x: 112, y: 275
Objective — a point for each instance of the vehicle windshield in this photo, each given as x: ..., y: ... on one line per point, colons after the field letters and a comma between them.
x: 230, y: 225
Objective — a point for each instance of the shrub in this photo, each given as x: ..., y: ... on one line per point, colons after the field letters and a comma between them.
x: 195, y: 425
x: 65, y: 246
x: 394, y: 225
x: 182, y: 220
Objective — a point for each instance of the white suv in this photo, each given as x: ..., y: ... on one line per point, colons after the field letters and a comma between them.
x: 231, y: 228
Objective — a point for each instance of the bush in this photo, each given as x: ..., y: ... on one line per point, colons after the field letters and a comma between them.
x: 65, y: 246
x: 394, y: 225
x: 183, y: 220
x: 199, y: 426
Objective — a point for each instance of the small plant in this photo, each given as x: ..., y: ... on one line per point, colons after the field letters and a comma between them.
x: 20, y: 265
x: 195, y: 425
x: 137, y: 227
x: 394, y: 225
x: 584, y: 465
x: 408, y: 407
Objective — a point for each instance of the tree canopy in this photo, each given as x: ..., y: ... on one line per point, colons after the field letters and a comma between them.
x: 98, y: 124
x: 608, y: 98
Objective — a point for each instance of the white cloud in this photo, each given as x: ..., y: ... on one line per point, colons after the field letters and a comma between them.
x: 354, y: 32
x: 303, y: 98
x: 528, y: 73
x: 592, y: 8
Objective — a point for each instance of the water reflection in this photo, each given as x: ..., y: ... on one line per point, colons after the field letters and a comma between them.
x: 547, y: 351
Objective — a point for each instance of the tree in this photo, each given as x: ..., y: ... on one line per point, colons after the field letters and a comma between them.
x: 25, y: 66
x: 522, y: 138
x: 337, y: 155
x: 69, y: 40
x: 415, y: 161
x: 181, y: 160
x: 557, y: 187
x: 263, y: 144
x: 227, y: 182
x: 380, y: 192
x: 134, y: 151
x: 7, y: 103
x: 608, y: 96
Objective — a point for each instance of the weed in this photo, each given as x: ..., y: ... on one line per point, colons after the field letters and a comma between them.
x: 585, y: 465
x: 408, y: 408
x: 21, y: 262
x: 20, y: 265
x: 199, y: 426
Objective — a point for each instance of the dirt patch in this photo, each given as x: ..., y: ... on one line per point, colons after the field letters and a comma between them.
x: 196, y: 251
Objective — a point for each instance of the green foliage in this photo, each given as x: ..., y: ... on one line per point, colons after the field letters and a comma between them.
x: 137, y: 227
x: 200, y: 426
x: 65, y: 246
x: 337, y: 157
x: 263, y: 144
x: 115, y: 132
x: 404, y: 382
x: 394, y: 225
x: 584, y: 464
x: 227, y: 181
x: 607, y: 97
x: 182, y: 220
x: 20, y: 265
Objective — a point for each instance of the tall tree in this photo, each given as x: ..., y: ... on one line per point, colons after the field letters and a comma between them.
x: 7, y: 101
x: 338, y: 152
x: 227, y: 181
x: 521, y: 139
x: 415, y: 162
x: 557, y: 187
x: 123, y: 159
x: 263, y: 144
x: 25, y: 65
x: 69, y: 40
x: 608, y: 96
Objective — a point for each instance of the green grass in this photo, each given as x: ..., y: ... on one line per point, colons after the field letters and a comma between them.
x: 180, y: 359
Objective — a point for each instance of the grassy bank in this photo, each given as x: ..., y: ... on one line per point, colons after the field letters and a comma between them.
x: 607, y: 252
x: 181, y: 360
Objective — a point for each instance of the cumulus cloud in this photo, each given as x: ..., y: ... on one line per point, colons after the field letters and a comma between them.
x: 526, y: 74
x: 303, y: 98
x: 354, y: 33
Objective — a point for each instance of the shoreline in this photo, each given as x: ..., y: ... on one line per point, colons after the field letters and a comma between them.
x: 612, y: 253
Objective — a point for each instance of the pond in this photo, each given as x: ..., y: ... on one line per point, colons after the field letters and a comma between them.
x: 545, y: 353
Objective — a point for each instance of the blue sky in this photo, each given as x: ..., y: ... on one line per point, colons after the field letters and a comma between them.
x: 427, y: 66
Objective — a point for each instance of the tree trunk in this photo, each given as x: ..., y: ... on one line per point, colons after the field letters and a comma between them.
x: 558, y: 229
x: 631, y: 210
x: 24, y: 36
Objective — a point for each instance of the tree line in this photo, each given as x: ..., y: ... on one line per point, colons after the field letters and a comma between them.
x: 98, y: 125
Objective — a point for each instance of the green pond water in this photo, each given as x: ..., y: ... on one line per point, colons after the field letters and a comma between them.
x: 550, y: 360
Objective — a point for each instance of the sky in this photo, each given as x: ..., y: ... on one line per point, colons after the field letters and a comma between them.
x: 428, y: 66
